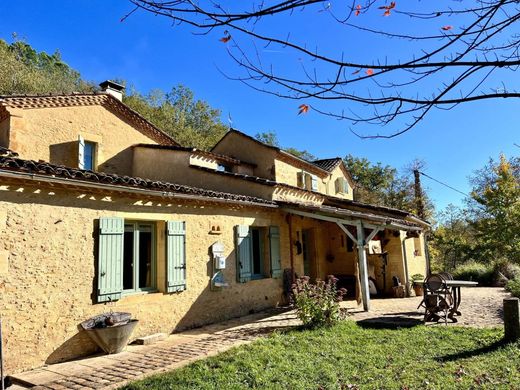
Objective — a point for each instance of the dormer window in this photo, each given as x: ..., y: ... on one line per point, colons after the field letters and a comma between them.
x: 86, y: 154
x: 307, y: 181
x: 341, y: 185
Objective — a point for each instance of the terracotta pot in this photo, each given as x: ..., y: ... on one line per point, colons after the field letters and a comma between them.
x: 418, y: 290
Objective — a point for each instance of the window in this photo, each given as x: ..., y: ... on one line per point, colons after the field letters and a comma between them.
x: 138, y: 257
x: 86, y: 154
x: 257, y: 252
x: 127, y: 257
x: 307, y: 181
x: 89, y: 155
x: 223, y: 168
x: 341, y: 185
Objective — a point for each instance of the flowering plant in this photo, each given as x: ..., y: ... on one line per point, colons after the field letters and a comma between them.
x: 318, y: 304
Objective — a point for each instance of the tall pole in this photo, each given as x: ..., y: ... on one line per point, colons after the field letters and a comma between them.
x: 419, y: 201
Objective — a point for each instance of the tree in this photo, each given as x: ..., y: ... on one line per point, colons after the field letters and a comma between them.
x: 495, y: 210
x: 270, y: 138
x: 424, y: 55
x: 385, y: 185
x: 23, y: 70
x: 452, y: 240
x: 189, y: 121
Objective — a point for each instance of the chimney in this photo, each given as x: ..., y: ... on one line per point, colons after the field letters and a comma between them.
x: 112, y: 88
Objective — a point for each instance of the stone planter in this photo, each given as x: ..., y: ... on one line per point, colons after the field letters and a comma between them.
x: 112, y: 339
x: 110, y: 331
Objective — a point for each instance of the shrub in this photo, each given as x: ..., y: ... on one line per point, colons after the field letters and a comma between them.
x: 318, y: 304
x: 504, y: 270
x: 477, y: 272
x: 513, y: 286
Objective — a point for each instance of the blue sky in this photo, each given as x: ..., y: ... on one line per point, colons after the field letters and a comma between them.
x: 149, y: 52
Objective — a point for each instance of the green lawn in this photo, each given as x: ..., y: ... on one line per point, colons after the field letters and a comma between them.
x: 349, y: 356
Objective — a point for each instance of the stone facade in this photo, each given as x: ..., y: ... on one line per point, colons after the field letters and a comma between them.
x: 49, y: 285
x: 51, y: 134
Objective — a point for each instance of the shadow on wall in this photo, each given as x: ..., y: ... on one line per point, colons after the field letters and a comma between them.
x: 78, y: 346
x: 239, y: 299
x: 65, y: 153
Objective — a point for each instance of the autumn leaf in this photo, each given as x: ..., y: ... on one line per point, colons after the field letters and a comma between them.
x: 303, y: 109
x: 225, y: 39
x: 358, y: 10
x: 446, y: 28
x: 370, y: 72
x: 387, y: 8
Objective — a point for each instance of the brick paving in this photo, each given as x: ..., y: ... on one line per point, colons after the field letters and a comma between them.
x: 113, y: 371
x: 481, y: 307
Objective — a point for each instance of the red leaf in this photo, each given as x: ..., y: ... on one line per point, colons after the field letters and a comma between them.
x: 387, y: 13
x: 446, y: 28
x: 370, y: 72
x: 303, y: 109
x: 358, y: 10
x: 225, y: 39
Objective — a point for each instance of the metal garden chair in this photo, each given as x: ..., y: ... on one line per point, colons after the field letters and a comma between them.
x: 438, y: 299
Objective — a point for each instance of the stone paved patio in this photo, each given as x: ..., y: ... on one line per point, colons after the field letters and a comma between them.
x: 481, y: 307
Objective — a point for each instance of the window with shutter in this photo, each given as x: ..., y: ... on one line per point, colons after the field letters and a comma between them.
x: 176, y: 256
x: 314, y: 183
x: 110, y: 259
x: 301, y: 179
x: 274, y: 251
x: 243, y: 253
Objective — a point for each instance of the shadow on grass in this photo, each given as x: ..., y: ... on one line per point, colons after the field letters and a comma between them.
x: 389, y: 322
x: 475, y: 352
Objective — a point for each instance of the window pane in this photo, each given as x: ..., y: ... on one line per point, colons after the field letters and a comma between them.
x: 89, y: 155
x: 128, y: 258
x: 257, y: 251
x: 145, y: 256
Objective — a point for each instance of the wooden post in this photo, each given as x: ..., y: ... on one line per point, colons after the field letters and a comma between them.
x: 363, y: 268
x: 511, y: 319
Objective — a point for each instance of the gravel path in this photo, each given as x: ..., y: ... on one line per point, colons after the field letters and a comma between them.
x: 481, y: 307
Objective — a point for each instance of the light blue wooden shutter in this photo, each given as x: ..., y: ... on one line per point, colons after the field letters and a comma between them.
x: 110, y: 259
x: 81, y: 152
x: 314, y: 183
x: 274, y: 251
x: 175, y: 256
x: 243, y: 253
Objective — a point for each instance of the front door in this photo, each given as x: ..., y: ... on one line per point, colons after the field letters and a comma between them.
x: 309, y: 253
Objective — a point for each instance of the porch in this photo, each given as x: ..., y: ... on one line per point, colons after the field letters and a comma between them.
x: 368, y: 253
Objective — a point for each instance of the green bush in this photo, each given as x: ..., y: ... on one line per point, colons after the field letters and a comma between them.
x: 513, y: 286
x: 477, y: 272
x: 506, y: 268
x: 318, y: 304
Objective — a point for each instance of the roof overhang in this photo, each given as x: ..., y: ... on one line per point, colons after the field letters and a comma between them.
x: 351, y: 217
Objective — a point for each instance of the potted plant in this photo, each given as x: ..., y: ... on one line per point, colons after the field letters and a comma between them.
x: 417, y: 287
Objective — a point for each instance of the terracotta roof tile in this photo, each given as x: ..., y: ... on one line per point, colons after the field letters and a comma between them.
x: 9, y: 163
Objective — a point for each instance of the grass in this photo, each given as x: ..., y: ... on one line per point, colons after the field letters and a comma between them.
x: 349, y: 356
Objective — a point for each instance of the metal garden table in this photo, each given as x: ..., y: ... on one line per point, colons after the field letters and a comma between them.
x: 455, y: 286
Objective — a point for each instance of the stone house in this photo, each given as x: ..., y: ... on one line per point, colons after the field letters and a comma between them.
x: 100, y: 210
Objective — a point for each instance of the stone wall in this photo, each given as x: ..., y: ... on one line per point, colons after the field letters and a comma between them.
x: 47, y: 269
x: 51, y: 134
